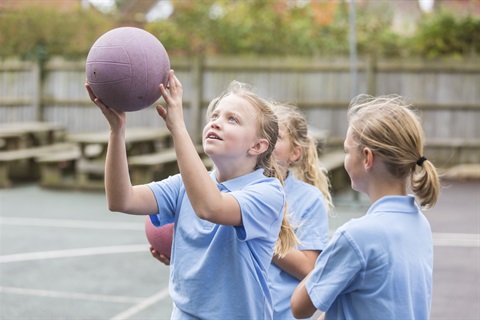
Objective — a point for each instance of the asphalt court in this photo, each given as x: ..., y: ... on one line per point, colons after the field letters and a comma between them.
x: 63, y: 255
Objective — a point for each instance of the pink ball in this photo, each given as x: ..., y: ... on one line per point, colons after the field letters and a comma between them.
x: 125, y: 67
x: 160, y: 238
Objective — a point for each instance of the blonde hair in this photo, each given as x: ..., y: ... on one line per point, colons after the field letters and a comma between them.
x: 392, y: 130
x: 307, y: 167
x: 267, y: 128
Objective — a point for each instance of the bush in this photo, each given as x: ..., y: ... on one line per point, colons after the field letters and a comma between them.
x: 249, y: 27
x: 36, y: 33
x: 254, y: 27
x: 443, y: 34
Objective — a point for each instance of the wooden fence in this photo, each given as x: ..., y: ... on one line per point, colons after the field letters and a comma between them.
x: 447, y: 93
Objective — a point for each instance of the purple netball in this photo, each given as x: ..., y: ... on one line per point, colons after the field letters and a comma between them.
x: 125, y: 68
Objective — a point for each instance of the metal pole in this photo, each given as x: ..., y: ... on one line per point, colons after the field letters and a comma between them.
x: 353, y: 61
x: 353, y: 49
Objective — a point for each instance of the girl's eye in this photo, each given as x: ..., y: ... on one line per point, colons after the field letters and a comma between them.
x: 232, y: 119
x: 214, y: 116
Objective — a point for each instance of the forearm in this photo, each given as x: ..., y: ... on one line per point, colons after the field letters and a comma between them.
x: 117, y: 179
x: 297, y: 263
x: 300, y: 303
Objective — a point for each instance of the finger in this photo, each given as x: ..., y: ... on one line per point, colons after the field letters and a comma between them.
x: 155, y: 254
x: 176, y: 82
x: 172, y: 83
x: 164, y: 259
x: 90, y: 92
x: 100, y: 104
x: 162, y: 111
x: 165, y: 94
x: 163, y: 91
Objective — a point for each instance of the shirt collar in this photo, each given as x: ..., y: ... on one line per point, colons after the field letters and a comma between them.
x: 404, y: 204
x: 239, y: 182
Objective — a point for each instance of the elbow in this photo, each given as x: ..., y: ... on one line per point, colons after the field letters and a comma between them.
x: 299, y: 315
x: 300, y: 304
x: 118, y: 203
x: 298, y: 312
x: 114, y: 208
x: 203, y: 214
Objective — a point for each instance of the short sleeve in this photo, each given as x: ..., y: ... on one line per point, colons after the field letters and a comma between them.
x: 312, y: 224
x: 261, y: 206
x: 338, y: 270
x: 168, y: 194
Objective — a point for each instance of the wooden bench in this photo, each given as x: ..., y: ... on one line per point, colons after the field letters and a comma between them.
x: 333, y: 162
x: 26, y: 156
x: 156, y: 166
x: 57, y: 170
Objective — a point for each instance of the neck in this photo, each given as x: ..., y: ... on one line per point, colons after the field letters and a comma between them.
x: 386, y: 187
x: 229, y: 172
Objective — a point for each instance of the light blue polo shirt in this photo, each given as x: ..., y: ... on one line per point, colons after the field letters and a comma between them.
x: 217, y: 271
x: 307, y: 212
x: 378, y: 266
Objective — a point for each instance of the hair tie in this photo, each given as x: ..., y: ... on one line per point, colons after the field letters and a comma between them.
x: 421, y: 161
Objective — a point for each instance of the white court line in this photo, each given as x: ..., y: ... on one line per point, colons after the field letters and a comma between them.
x: 142, y: 305
x: 439, y: 239
x: 66, y: 223
x: 42, y: 255
x: 70, y: 295
x: 456, y: 239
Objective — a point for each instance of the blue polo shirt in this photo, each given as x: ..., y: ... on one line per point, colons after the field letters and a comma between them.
x: 378, y: 266
x: 307, y: 212
x: 217, y: 271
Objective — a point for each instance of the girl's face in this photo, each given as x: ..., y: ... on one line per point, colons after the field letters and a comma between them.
x: 354, y: 163
x: 284, y: 152
x: 232, y: 128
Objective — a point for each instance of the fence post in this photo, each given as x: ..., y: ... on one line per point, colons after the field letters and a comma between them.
x: 372, y: 75
x: 196, y: 105
x: 37, y: 91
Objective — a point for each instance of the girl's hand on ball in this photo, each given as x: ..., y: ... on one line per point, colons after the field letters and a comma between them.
x: 116, y: 119
x: 172, y: 113
x: 160, y: 257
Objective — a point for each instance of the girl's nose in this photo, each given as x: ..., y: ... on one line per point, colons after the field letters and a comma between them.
x: 215, y: 123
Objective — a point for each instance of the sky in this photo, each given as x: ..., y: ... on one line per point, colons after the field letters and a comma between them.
x: 104, y: 5
x: 161, y: 10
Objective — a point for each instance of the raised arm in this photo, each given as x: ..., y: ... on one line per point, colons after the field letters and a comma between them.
x: 207, y: 201
x: 121, y: 195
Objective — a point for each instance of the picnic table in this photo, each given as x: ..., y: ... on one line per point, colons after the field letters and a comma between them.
x: 22, y: 142
x: 90, y: 166
x: 17, y: 135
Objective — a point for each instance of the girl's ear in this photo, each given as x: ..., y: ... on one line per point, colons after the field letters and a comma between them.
x: 295, y: 154
x: 368, y: 158
x: 259, y: 147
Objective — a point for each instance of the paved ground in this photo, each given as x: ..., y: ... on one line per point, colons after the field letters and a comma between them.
x: 64, y: 256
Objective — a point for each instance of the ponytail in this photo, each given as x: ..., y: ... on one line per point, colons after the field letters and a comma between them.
x: 308, y: 169
x: 425, y: 183
x: 392, y: 130
x: 287, y: 239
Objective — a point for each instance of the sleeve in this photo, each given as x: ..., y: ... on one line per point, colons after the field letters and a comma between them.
x: 312, y: 225
x: 261, y: 207
x: 167, y: 193
x: 338, y: 270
